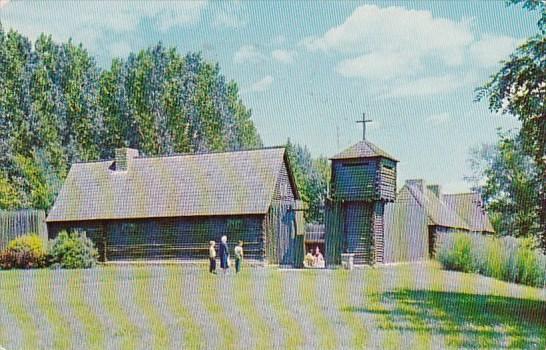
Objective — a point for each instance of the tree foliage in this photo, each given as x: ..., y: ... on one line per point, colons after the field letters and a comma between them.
x: 58, y: 107
x: 508, y: 181
x: 312, y: 177
x: 519, y: 89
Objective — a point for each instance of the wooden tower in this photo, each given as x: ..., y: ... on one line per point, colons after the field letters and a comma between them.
x: 363, y: 180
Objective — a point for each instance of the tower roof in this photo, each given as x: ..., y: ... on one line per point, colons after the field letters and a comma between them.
x: 363, y: 149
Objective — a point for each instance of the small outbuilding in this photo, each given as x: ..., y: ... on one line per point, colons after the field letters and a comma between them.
x: 136, y: 207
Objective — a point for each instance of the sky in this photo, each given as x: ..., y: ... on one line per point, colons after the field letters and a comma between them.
x: 308, y: 70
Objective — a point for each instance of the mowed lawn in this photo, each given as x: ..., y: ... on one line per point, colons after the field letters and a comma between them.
x: 183, y: 307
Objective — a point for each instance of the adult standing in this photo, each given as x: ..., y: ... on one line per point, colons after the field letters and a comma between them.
x: 224, y: 254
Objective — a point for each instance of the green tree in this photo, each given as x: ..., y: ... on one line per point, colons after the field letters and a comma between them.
x: 312, y: 178
x: 58, y: 107
x: 519, y: 89
x: 507, y: 179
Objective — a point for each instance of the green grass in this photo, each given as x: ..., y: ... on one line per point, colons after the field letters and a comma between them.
x: 177, y: 304
x: 409, y: 306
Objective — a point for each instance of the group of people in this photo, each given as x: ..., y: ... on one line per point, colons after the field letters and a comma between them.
x: 314, y: 259
x: 223, y: 252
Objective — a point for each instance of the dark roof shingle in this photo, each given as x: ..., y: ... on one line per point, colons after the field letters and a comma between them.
x: 228, y: 183
x: 363, y: 149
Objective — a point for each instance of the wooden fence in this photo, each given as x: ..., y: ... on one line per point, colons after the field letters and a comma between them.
x: 21, y: 222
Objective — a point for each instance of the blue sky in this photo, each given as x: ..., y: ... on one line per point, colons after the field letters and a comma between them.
x: 309, y: 69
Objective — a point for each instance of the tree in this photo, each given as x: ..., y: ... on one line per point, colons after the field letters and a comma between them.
x: 507, y: 179
x: 519, y: 89
x: 312, y: 177
x: 58, y: 107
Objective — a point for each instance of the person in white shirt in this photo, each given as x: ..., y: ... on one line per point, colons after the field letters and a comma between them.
x: 238, y: 256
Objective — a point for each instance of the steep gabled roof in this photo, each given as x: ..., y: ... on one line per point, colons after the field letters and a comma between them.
x: 469, y: 207
x: 227, y: 183
x: 363, y: 149
x: 438, y: 212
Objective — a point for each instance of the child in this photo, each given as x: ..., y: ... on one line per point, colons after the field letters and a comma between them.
x: 212, y: 257
x: 238, y: 256
x: 309, y: 259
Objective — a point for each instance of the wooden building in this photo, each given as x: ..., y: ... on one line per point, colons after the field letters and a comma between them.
x: 422, y: 211
x: 137, y: 207
x: 363, y: 181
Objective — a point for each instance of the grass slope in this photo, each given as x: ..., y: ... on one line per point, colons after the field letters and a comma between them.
x: 409, y: 306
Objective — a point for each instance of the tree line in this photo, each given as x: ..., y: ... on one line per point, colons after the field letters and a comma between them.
x: 57, y: 107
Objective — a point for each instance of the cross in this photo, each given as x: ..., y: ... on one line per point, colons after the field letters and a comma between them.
x: 364, y: 121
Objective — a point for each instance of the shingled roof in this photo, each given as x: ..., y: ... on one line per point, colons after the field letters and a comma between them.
x: 228, y: 183
x: 469, y: 207
x: 437, y: 212
x: 363, y: 149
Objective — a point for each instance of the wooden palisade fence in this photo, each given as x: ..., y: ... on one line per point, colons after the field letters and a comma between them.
x: 20, y: 222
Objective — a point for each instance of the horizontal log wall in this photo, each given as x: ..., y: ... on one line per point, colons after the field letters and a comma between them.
x: 170, y: 238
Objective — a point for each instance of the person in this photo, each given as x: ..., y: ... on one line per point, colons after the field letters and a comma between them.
x: 224, y: 254
x: 238, y: 256
x: 309, y: 259
x: 212, y: 257
x: 319, y: 258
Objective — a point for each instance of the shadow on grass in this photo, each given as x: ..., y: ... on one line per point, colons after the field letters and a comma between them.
x: 465, y: 320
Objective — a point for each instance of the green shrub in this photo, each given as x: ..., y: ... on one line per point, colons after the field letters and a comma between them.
x: 24, y: 252
x: 72, y: 251
x: 456, y: 253
x: 506, y: 258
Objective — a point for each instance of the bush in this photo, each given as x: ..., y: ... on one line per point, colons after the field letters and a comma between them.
x: 72, y: 251
x: 24, y: 252
x: 507, y: 258
x: 456, y: 254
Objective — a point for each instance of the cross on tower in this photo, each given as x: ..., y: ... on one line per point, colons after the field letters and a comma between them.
x: 364, y: 121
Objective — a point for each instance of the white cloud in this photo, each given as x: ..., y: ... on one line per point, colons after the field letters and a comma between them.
x: 382, y: 43
x: 439, y: 118
x: 433, y: 85
x: 260, y: 85
x: 248, y: 53
x: 394, y: 31
x: 230, y: 15
x: 283, y: 56
x: 379, y: 65
x: 489, y: 50
x: 69, y: 19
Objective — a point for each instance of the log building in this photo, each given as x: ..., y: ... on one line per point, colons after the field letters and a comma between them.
x: 136, y: 207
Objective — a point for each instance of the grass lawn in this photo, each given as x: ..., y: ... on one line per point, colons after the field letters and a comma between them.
x: 183, y: 307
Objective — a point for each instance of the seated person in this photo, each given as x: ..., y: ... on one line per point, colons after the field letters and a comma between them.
x: 309, y: 259
x: 319, y: 258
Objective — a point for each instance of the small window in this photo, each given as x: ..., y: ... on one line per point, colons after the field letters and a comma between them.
x: 388, y: 166
x: 356, y: 164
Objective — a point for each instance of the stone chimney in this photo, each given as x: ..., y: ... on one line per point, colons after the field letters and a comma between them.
x: 416, y: 183
x: 436, y: 189
x: 123, y: 157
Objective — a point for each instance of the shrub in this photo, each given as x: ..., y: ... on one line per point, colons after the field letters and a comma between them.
x: 506, y: 258
x: 456, y: 253
x: 24, y: 252
x: 72, y: 251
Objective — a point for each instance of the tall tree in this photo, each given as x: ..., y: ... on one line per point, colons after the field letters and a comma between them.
x: 507, y: 179
x: 519, y: 89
